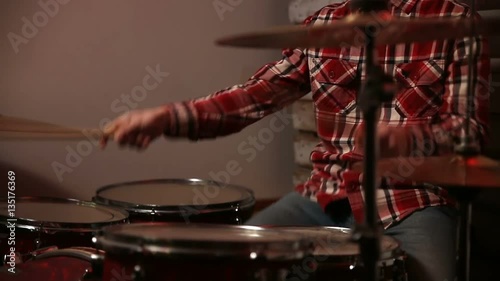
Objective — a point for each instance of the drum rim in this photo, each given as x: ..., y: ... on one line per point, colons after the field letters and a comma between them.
x: 354, y: 258
x: 112, y: 241
x: 244, y: 203
x: 36, y: 225
x: 83, y: 253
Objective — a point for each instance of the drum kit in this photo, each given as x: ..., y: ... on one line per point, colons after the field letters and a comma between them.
x: 154, y: 230
x: 166, y: 235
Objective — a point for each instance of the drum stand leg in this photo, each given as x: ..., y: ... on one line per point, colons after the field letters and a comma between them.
x: 465, y: 198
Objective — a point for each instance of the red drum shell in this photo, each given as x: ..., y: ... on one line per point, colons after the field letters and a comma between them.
x: 71, y: 264
x: 174, y: 252
x: 45, y: 222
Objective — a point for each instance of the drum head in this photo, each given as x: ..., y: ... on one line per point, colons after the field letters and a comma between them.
x: 57, y: 213
x: 246, y: 242
x: 169, y: 194
x: 336, y: 242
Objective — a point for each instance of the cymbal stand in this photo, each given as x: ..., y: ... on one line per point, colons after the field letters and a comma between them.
x: 467, y: 148
x: 370, y: 99
x: 465, y: 198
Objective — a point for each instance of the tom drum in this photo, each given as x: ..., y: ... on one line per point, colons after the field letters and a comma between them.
x: 180, y: 200
x: 175, y: 252
x: 40, y: 222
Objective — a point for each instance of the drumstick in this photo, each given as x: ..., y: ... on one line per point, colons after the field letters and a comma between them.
x: 77, y: 135
x: 19, y: 128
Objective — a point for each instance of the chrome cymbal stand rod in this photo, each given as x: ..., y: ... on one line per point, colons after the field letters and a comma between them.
x: 371, y: 97
x: 468, y: 147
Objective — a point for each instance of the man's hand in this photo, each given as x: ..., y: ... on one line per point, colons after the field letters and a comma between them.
x: 393, y: 141
x: 137, y: 128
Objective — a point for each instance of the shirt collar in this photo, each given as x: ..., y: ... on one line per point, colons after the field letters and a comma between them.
x: 405, y: 5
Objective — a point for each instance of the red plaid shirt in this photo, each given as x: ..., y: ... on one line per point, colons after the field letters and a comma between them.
x: 431, y: 96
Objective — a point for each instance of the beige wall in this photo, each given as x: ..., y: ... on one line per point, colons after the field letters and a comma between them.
x: 74, y: 70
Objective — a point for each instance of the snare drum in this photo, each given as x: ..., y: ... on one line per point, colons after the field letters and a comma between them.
x: 336, y: 257
x: 180, y: 200
x: 72, y: 264
x: 41, y: 222
x: 184, y: 252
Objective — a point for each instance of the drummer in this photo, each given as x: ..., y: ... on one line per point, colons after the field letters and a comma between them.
x: 426, y: 116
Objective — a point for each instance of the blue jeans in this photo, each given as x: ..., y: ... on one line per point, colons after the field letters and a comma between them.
x: 427, y: 236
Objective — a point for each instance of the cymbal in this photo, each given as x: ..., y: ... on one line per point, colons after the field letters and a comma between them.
x: 449, y: 171
x: 21, y: 128
x: 350, y: 32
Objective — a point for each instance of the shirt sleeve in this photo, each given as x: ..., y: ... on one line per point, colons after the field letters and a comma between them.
x: 441, y: 137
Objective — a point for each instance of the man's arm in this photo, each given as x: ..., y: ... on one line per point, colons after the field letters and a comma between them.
x: 228, y: 111
x: 446, y: 133
x: 225, y: 112
x: 441, y: 136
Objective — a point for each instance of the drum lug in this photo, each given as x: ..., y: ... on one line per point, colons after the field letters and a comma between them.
x: 354, y: 265
x: 138, y: 274
x: 96, y: 270
x: 236, y: 210
x: 89, y: 275
x: 238, y: 220
x: 97, y: 262
x: 17, y: 259
x: 37, y: 243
